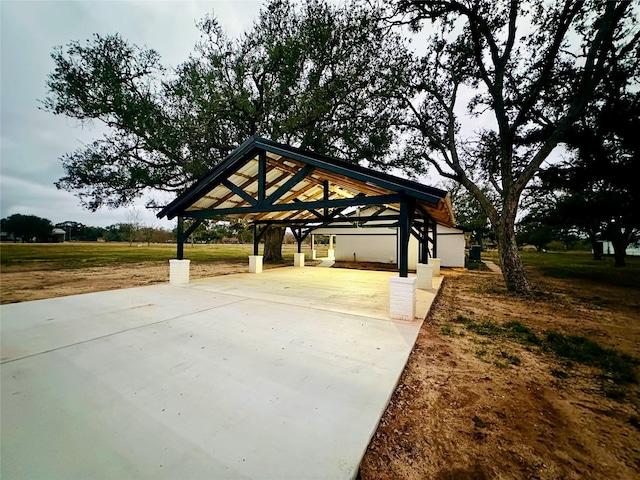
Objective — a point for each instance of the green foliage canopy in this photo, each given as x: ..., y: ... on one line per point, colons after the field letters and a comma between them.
x: 313, y: 75
x: 597, y: 187
x: 27, y: 227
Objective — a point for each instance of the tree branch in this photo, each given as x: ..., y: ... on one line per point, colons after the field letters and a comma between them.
x: 569, y: 11
x: 592, y: 73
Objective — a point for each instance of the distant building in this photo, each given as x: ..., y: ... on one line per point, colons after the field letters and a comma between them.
x: 58, y: 235
x: 632, y: 250
x: 7, y: 237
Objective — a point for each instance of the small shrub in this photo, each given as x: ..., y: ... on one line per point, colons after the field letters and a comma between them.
x: 462, y: 319
x: 512, y: 359
x: 478, y: 422
x: 559, y: 373
x: 446, y: 330
x: 556, y: 246
x: 522, y: 333
x: 486, y: 328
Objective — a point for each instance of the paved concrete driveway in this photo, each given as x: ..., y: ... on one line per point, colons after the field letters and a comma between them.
x: 279, y: 375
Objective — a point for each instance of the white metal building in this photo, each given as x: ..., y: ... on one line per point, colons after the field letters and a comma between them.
x: 380, y: 244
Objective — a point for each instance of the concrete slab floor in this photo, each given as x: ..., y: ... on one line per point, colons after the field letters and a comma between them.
x: 358, y: 292
x: 232, y: 377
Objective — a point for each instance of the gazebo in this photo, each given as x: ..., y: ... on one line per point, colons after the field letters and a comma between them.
x: 266, y: 183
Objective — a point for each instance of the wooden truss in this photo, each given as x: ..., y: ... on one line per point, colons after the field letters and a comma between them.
x: 265, y: 183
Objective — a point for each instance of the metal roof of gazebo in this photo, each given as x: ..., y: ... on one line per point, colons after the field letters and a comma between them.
x: 266, y: 183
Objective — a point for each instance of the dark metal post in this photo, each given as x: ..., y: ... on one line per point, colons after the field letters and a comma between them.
x: 435, y: 239
x: 424, y: 246
x: 299, y: 238
x: 404, y: 239
x: 262, y: 175
x: 256, y: 240
x: 180, y: 235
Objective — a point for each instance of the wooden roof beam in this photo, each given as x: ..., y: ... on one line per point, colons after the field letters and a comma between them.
x: 245, y: 185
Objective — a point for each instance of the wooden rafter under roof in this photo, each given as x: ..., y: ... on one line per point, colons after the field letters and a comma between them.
x: 267, y: 182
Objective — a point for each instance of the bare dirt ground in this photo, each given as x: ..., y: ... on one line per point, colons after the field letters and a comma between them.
x: 21, y: 285
x: 462, y: 412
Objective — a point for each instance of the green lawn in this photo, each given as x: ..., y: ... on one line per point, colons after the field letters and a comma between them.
x: 581, y: 265
x: 80, y: 255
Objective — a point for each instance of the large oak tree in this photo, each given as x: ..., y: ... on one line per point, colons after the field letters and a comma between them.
x: 525, y: 71
x: 312, y: 75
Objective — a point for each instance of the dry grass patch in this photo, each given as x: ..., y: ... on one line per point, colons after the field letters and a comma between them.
x: 498, y: 387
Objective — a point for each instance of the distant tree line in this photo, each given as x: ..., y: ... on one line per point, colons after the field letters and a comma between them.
x: 216, y: 231
x: 559, y: 218
x: 31, y: 228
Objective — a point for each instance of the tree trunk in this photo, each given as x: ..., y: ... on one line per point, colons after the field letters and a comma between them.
x: 273, y: 244
x: 619, y: 244
x: 593, y: 240
x: 512, y: 269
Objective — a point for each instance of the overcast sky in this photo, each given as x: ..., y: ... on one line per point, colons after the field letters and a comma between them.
x: 32, y: 140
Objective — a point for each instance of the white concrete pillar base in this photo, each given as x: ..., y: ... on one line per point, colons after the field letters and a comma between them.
x: 255, y: 263
x: 425, y: 276
x: 402, y: 298
x: 298, y: 259
x: 435, y: 263
x: 179, y: 272
x: 313, y: 254
x: 331, y: 254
